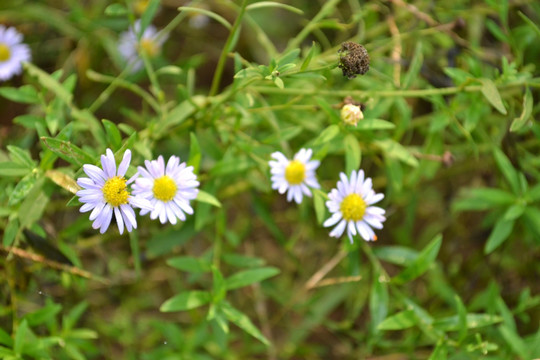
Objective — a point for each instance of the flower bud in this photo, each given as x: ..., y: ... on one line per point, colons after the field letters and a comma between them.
x: 351, y: 114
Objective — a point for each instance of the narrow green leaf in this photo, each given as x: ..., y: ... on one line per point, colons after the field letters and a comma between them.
x: 242, y: 260
x: 498, y: 235
x: 378, y: 300
x: 327, y: 134
x: 373, y: 124
x: 194, y: 152
x: 5, y: 338
x: 489, y: 90
x: 414, y: 68
x: 515, y: 342
x: 21, y: 156
x: 402, y: 320
x: 395, y: 150
x: 520, y: 121
x: 319, y: 199
x: 10, y: 232
x: 530, y: 23
x: 113, y: 134
x: 208, y: 198
x: 473, y: 321
x: 68, y: 151
x: 531, y: 216
x: 263, y: 4
x: 186, y: 301
x: 116, y: 10
x: 148, y: 15
x: 47, y: 81
x: 26, y: 94
x: 462, y: 318
x: 483, y: 199
x: 32, y: 207
x: 288, y: 57
x: 21, y: 337
x: 424, y: 260
x: 22, y: 189
x: 514, y: 212
x: 312, y: 50
x: 190, y: 264
x: 243, y: 322
x: 219, y: 286
x: 10, y: 168
x: 440, y: 351
x: 505, y: 166
x: 279, y: 83
x: 353, y: 153
x: 398, y: 255
x: 248, y: 277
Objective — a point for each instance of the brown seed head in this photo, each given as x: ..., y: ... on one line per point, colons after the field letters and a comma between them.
x: 353, y: 59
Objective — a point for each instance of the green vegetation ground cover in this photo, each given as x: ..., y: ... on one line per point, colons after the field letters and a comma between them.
x: 448, y: 135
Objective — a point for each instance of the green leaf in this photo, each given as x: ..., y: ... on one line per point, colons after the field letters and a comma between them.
x: 67, y: 151
x: 248, y: 277
x: 489, y: 90
x: 395, y: 150
x: 194, y: 153
x: 531, y: 23
x: 398, y: 255
x: 242, y: 260
x: 378, y: 300
x: 414, y: 68
x: 279, y: 83
x: 327, y: 134
x: 501, y: 231
x: 352, y: 153
x: 483, y: 199
x: 190, y: 264
x: 514, y: 212
x: 33, y: 206
x: 519, y: 122
x: 5, y: 338
x: 21, y: 156
x: 243, y: 322
x: 515, y: 342
x: 148, y: 15
x: 21, y: 190
x: 505, y: 166
x: 116, y: 10
x: 26, y: 94
x: 10, y: 232
x: 208, y: 198
x: 219, y: 286
x: 473, y: 321
x: 50, y: 83
x: 373, y: 124
x: 422, y: 262
x: 289, y: 57
x: 312, y: 50
x: 402, y: 320
x: 440, y: 351
x: 319, y: 199
x: 113, y: 134
x: 10, y: 168
x: 462, y: 318
x: 186, y: 301
x: 262, y: 4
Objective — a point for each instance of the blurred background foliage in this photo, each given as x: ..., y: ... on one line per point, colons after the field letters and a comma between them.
x: 449, y: 137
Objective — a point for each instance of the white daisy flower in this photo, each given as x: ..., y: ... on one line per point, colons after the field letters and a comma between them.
x: 130, y: 46
x: 169, y: 189
x: 106, y: 192
x: 12, y: 53
x: 351, y: 206
x: 294, y: 175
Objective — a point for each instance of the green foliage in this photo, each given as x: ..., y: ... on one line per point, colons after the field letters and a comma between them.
x: 448, y: 135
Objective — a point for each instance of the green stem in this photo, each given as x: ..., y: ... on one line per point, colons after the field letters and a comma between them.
x: 223, y: 57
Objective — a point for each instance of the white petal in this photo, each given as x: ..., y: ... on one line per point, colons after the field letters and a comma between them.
x: 97, y: 210
x: 119, y: 219
x: 108, y: 163
x: 122, y: 168
x: 332, y: 220
x: 338, y: 230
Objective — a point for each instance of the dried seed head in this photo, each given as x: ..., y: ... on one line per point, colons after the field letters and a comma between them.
x: 353, y: 59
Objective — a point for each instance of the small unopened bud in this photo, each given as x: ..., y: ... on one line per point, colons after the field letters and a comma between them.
x: 353, y: 59
x: 351, y: 114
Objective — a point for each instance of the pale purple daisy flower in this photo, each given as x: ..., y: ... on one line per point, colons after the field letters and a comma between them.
x: 106, y: 192
x: 130, y: 46
x: 13, y: 53
x: 294, y: 176
x: 351, y: 207
x: 168, y: 188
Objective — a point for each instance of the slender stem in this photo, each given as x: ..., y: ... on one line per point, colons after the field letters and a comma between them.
x: 223, y: 57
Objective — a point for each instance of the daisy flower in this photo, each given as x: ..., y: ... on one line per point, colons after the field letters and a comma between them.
x: 351, y: 207
x: 294, y: 175
x: 105, y: 191
x: 168, y: 188
x: 130, y: 46
x: 12, y: 53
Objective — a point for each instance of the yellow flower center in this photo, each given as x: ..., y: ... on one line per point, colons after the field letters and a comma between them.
x: 164, y: 188
x: 115, y: 191
x: 150, y: 47
x: 353, y: 207
x: 295, y: 172
x: 5, y: 54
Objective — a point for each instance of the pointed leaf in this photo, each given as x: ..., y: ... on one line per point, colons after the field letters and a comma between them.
x: 501, y: 231
x: 401, y: 320
x: 422, y: 262
x: 489, y: 90
x: 519, y: 122
x: 242, y: 321
x: 248, y: 277
x: 186, y: 301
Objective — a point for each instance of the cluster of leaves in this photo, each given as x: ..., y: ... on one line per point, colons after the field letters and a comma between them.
x: 453, y: 274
